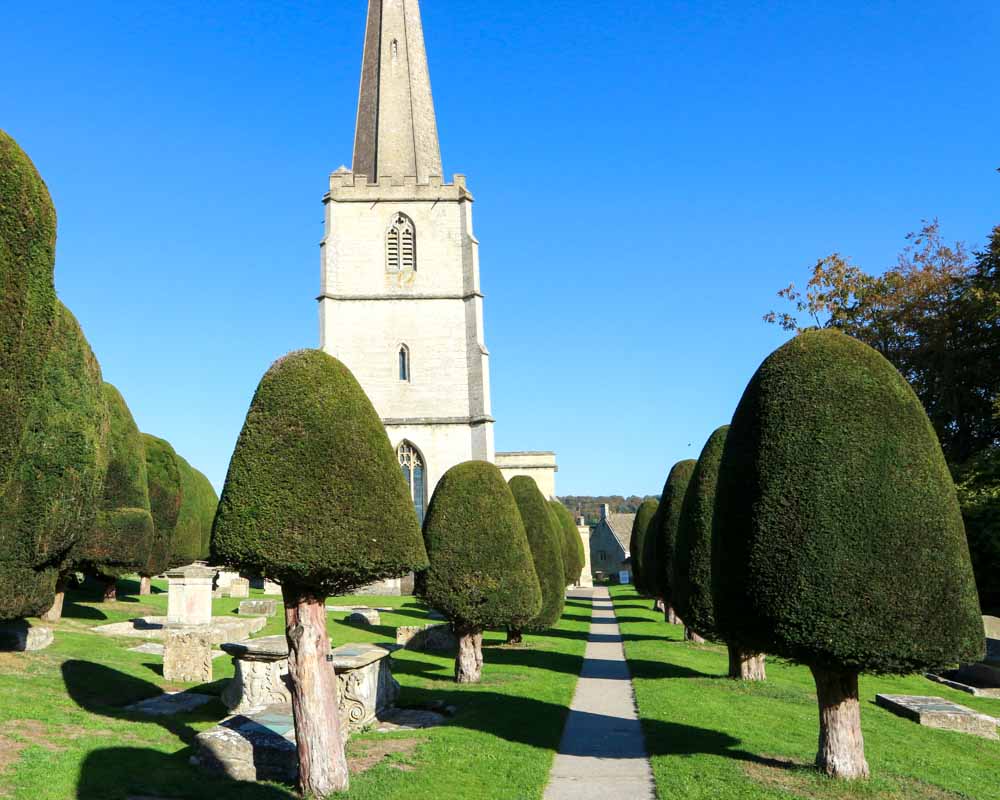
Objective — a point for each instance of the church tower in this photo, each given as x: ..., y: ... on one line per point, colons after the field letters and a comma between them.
x: 400, y: 301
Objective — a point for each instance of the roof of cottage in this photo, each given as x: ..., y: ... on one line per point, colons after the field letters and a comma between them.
x: 621, y: 527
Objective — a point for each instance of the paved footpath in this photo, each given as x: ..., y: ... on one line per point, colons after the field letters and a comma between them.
x: 603, y: 752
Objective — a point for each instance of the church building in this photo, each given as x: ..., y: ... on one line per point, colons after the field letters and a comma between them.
x: 400, y: 298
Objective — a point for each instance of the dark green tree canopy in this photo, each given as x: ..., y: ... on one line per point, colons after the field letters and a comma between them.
x: 199, y: 502
x: 664, y: 536
x: 837, y: 526
x: 572, y: 549
x: 481, y: 573
x: 546, y: 550
x: 314, y: 497
x: 123, y: 531
x: 164, y: 476
x: 637, y: 543
x: 692, y: 559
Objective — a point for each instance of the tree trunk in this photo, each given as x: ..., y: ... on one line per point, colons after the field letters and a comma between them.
x: 469, y: 661
x: 55, y: 612
x: 322, y: 762
x: 658, y: 605
x: 745, y: 665
x: 145, y: 588
x: 691, y: 636
x: 841, y: 745
x: 670, y: 615
x: 110, y: 588
x: 514, y: 636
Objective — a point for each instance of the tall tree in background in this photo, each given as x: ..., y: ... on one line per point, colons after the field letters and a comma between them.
x: 637, y: 542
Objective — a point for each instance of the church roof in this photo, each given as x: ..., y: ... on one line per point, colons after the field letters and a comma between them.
x: 397, y: 130
x: 621, y: 527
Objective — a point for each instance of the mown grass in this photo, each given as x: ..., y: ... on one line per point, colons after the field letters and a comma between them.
x: 64, y: 733
x: 711, y: 737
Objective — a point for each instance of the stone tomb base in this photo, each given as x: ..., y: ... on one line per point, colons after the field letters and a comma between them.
x: 936, y: 712
x: 221, y: 629
x: 20, y: 637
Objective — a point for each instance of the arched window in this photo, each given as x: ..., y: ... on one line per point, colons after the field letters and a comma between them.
x: 401, y: 245
x: 414, y: 473
x: 404, y: 363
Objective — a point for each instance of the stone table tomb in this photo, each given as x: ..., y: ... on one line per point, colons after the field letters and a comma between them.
x: 365, y: 684
x: 189, y: 595
x: 936, y: 712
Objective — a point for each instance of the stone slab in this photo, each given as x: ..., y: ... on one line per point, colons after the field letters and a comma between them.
x: 367, y: 616
x: 258, y: 608
x: 408, y: 719
x: 170, y: 703
x: 255, y: 747
x: 952, y: 681
x: 20, y: 637
x: 936, y: 712
x: 427, y: 638
x: 222, y: 629
x: 349, y: 609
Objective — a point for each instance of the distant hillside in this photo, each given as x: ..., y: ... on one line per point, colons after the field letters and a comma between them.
x: 590, y: 507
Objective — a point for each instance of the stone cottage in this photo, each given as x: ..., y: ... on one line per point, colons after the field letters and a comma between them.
x: 609, y: 541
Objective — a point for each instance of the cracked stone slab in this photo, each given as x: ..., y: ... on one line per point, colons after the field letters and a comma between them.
x: 170, y: 703
x: 936, y: 712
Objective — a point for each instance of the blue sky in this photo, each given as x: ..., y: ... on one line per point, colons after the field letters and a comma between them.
x: 647, y: 174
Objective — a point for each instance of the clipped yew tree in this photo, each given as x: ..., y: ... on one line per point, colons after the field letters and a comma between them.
x: 163, y: 473
x: 193, y: 531
x: 546, y: 553
x: 637, y: 543
x: 52, y: 424
x: 662, y: 538
x: 838, y: 531
x: 572, y: 548
x: 481, y: 574
x: 122, y: 533
x: 315, y: 500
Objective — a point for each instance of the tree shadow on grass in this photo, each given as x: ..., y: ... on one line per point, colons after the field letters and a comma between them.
x: 107, y: 692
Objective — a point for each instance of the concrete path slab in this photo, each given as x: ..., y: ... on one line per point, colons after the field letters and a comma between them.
x: 603, y: 752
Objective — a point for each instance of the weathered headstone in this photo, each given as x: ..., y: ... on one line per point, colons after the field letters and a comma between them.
x: 936, y: 712
x: 189, y: 598
x: 187, y: 657
x: 427, y: 638
x: 364, y: 616
x: 258, y: 608
x: 239, y: 588
x: 20, y: 637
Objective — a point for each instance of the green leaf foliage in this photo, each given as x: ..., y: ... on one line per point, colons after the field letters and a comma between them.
x: 546, y: 550
x: 692, y: 559
x: 314, y: 497
x: 979, y: 495
x: 199, y: 502
x: 645, y: 514
x: 662, y: 538
x: 51, y: 495
x: 838, y: 533
x: 164, y: 475
x: 123, y: 531
x: 481, y: 573
x: 572, y: 545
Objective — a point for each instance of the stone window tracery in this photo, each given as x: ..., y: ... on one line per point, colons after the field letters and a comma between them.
x: 414, y: 472
x: 401, y: 245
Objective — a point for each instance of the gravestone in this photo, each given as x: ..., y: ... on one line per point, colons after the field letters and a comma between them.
x: 187, y: 657
x: 224, y: 579
x: 251, y: 747
x: 266, y: 586
x: 240, y: 587
x: 364, y: 616
x: 189, y: 595
x: 365, y: 684
x: 20, y: 637
x: 258, y: 608
x: 936, y: 712
x: 427, y: 638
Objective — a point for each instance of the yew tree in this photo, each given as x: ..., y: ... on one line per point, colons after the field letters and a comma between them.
x: 315, y: 500
x: 573, y: 561
x: 662, y: 538
x: 838, y: 531
x: 546, y: 554
x: 163, y: 473
x: 481, y: 574
x: 637, y: 543
x: 52, y: 421
x: 193, y: 531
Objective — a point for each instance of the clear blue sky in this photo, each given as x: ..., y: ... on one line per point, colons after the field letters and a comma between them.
x: 648, y: 174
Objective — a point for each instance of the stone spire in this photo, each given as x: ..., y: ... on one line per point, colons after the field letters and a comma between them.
x: 397, y: 131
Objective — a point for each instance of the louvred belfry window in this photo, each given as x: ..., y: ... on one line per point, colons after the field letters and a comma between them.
x: 401, y: 245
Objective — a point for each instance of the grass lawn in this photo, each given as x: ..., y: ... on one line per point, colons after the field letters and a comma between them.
x: 63, y: 733
x: 711, y: 737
